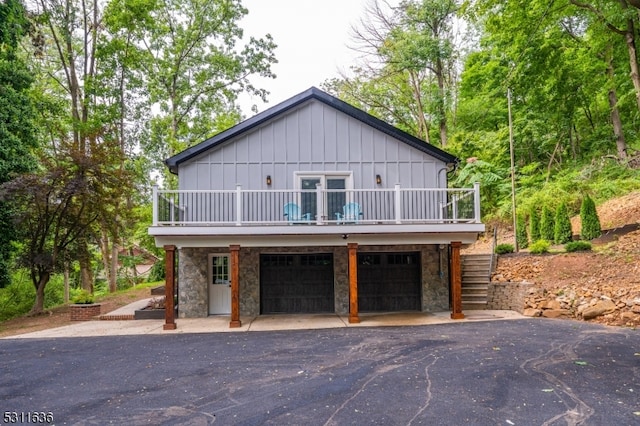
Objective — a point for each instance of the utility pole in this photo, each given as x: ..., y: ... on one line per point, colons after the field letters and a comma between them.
x: 513, y: 176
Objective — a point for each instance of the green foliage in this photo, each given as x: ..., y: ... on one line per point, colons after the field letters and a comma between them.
x: 577, y: 246
x: 539, y: 247
x: 494, y: 185
x: 504, y: 248
x: 157, y: 272
x: 589, y: 218
x: 17, y: 131
x: 547, y: 224
x: 194, y: 60
x: 534, y: 224
x: 562, y: 232
x: 521, y: 232
x: 83, y: 297
x: 17, y: 298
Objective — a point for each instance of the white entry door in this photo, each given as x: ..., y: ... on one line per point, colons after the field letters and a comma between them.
x: 219, y: 285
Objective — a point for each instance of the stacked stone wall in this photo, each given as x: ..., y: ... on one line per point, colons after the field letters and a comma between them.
x: 508, y: 295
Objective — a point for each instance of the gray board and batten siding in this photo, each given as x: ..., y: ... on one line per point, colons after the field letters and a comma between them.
x: 312, y: 132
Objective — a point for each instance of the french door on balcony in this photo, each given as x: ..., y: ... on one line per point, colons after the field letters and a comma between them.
x: 333, y: 200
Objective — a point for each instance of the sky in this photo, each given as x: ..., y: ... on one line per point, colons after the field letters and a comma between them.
x: 312, y: 38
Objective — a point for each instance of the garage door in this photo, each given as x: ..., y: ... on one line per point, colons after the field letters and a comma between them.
x: 296, y: 283
x: 389, y: 282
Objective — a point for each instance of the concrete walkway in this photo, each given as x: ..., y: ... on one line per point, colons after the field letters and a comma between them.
x: 220, y: 323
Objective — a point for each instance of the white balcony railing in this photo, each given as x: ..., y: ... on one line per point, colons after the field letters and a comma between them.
x: 241, y: 207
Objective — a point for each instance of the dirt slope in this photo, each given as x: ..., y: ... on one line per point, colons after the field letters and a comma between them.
x: 610, y: 271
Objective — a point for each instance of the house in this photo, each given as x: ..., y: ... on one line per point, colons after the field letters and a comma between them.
x: 313, y: 206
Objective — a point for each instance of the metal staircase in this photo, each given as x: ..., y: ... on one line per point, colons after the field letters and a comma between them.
x: 476, y: 272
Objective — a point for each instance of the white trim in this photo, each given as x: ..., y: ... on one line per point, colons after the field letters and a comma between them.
x: 315, y: 240
x: 399, y: 231
x: 322, y: 175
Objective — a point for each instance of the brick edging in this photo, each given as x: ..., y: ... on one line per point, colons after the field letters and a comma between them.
x: 123, y: 317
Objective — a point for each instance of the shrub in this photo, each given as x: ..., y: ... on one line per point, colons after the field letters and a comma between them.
x: 534, y: 225
x: 546, y: 224
x: 539, y: 247
x: 17, y: 298
x: 504, y: 248
x: 562, y: 231
x: 521, y: 232
x: 157, y: 272
x: 590, y: 221
x: 83, y: 298
x: 577, y: 246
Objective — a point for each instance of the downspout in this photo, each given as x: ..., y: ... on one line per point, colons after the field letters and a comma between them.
x: 450, y: 168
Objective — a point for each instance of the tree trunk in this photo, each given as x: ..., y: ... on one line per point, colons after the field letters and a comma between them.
x: 621, y: 144
x: 442, y: 110
x: 630, y: 39
x: 38, y: 305
x: 423, y: 127
x: 113, y: 275
x: 104, y: 251
x: 84, y: 259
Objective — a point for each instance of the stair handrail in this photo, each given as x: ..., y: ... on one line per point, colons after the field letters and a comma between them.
x: 494, y: 243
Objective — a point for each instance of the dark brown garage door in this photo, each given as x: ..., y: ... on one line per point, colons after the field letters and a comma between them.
x: 296, y: 283
x: 388, y: 282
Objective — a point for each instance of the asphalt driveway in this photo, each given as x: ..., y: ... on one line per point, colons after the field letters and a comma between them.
x: 520, y: 372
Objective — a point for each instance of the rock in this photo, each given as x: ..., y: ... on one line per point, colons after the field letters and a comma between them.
x: 555, y: 313
x: 531, y: 312
x: 629, y: 316
x: 601, y: 308
x: 635, y: 309
x: 553, y: 304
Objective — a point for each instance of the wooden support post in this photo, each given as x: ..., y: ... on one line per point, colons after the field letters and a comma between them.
x: 235, y: 287
x: 456, y: 281
x: 170, y: 273
x: 353, y: 283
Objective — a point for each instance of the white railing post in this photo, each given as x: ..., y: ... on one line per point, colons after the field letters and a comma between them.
x: 155, y: 212
x: 398, y: 203
x: 238, y: 204
x: 476, y: 201
x: 454, y: 207
x: 320, y: 203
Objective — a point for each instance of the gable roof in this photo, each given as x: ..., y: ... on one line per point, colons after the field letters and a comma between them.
x: 325, y: 98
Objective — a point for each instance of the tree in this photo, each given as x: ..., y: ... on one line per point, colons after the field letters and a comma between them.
x: 409, y: 66
x: 534, y: 225
x: 87, y: 70
x: 562, y: 232
x: 53, y: 213
x: 191, y: 67
x: 590, y: 228
x: 521, y: 232
x: 547, y: 225
x: 17, y: 132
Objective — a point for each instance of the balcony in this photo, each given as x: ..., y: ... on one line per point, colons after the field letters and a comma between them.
x: 319, y: 207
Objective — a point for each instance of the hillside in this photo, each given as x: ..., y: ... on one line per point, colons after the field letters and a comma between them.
x: 568, y: 283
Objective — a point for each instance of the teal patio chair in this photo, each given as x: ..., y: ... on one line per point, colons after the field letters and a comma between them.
x: 351, y: 213
x: 292, y: 213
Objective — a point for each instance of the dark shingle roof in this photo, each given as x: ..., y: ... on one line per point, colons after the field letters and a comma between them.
x: 317, y: 94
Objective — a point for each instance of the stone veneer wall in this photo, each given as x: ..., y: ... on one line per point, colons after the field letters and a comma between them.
x: 507, y: 295
x: 193, y: 289
x: 193, y: 276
